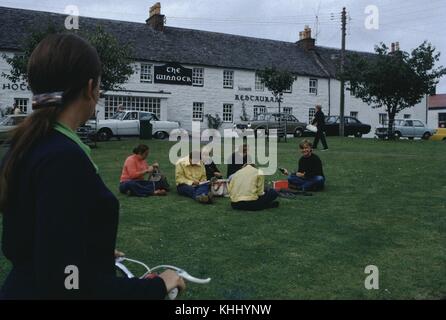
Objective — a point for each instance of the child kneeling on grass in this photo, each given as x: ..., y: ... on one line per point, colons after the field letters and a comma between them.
x: 309, y: 175
x: 132, y: 180
x: 247, y: 190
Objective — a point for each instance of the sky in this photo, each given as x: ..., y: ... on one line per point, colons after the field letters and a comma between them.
x: 369, y: 22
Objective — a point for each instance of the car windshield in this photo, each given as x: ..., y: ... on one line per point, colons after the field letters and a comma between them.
x: 118, y: 115
x: 331, y: 119
x: 262, y: 116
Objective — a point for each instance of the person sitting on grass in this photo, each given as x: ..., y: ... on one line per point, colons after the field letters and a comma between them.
x: 132, y: 180
x: 238, y: 160
x: 247, y: 190
x: 309, y: 175
x: 190, y: 176
x: 212, y: 171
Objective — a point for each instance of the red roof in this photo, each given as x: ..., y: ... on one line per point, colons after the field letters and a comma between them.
x: 437, y: 101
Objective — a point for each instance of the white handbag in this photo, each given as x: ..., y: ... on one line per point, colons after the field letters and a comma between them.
x: 219, y: 188
x: 311, y: 128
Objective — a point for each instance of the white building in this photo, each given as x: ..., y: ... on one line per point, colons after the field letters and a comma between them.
x: 206, y: 72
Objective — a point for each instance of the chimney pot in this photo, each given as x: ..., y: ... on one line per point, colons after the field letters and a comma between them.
x: 156, y: 19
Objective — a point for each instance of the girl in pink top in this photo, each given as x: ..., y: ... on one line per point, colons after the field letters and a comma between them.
x: 135, y: 168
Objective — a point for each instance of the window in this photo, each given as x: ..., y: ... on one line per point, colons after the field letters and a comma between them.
x: 288, y: 110
x: 259, y: 85
x: 407, y: 116
x: 198, y: 77
x: 289, y: 89
x: 354, y: 114
x: 22, y: 104
x: 313, y: 86
x: 197, y: 111
x: 408, y: 123
x: 259, y: 110
x: 383, y: 118
x: 227, y: 113
x: 228, y: 79
x: 145, y: 74
x: 131, y: 116
x: 442, y: 120
x: 418, y: 123
x: 311, y: 113
x: 147, y: 104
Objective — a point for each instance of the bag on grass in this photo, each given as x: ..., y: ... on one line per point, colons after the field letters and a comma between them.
x: 219, y: 188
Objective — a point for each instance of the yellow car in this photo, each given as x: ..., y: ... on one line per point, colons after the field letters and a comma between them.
x: 439, y: 135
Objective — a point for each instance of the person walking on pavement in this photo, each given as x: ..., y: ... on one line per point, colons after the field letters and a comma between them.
x: 319, y: 121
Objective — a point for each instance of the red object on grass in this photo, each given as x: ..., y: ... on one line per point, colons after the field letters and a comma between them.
x: 280, y: 184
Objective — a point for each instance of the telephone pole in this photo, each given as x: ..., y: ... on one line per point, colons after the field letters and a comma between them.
x: 342, y: 102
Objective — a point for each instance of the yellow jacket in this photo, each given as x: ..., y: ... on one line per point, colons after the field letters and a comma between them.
x: 247, y: 184
x: 186, y: 173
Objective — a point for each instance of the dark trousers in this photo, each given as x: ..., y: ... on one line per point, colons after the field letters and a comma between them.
x: 307, y: 184
x: 193, y: 191
x: 139, y: 188
x: 263, y: 202
x: 320, y: 134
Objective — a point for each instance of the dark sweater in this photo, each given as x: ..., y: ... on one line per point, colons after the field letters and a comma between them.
x: 233, y: 167
x: 210, y: 170
x: 312, y: 166
x: 319, y: 120
x: 60, y: 214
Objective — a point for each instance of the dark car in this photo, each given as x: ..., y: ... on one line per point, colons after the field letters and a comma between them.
x: 352, y: 126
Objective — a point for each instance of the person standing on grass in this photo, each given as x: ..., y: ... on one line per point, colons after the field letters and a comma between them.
x: 247, y: 190
x: 60, y: 220
x: 190, y: 177
x: 319, y: 121
x: 132, y: 180
x: 309, y: 175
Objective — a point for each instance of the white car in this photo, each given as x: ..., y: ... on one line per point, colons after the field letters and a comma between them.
x: 127, y: 123
x: 408, y: 128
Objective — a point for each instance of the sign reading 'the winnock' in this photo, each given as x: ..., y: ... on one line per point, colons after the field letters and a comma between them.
x: 173, y: 73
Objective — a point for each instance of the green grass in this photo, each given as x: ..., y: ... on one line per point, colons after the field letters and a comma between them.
x: 384, y: 205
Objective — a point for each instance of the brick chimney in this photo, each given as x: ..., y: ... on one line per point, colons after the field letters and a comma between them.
x: 305, y: 40
x: 156, y: 19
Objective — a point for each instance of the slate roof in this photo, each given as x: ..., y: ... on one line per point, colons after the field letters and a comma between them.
x: 181, y: 45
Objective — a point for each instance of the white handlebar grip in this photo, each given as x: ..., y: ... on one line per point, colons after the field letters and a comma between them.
x: 173, y: 294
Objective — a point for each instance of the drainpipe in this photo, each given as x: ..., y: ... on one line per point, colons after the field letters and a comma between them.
x: 329, y: 95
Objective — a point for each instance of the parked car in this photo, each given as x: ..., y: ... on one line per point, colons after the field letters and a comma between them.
x: 126, y: 123
x: 439, y: 135
x: 408, y: 128
x: 267, y: 121
x: 352, y: 126
x: 8, y: 123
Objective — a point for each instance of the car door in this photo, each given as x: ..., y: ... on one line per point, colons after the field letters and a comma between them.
x: 407, y: 130
x: 352, y: 125
x: 332, y: 126
x: 129, y: 125
x: 418, y: 128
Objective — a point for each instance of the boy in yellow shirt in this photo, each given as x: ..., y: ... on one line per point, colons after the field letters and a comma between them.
x: 247, y: 190
x: 190, y: 177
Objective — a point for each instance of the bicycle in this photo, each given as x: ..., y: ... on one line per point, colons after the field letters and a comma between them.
x: 182, y: 273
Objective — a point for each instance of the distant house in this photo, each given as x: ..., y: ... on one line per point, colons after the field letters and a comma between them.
x: 437, y: 111
x: 184, y: 74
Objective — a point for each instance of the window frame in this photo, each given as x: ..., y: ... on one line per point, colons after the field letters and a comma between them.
x: 150, y: 74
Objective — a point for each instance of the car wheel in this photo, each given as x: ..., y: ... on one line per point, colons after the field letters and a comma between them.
x: 426, y: 136
x: 397, y: 135
x: 358, y: 134
x: 160, y: 135
x: 104, y: 134
x: 298, y: 133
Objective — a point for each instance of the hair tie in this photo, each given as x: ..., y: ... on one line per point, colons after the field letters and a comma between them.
x: 50, y: 99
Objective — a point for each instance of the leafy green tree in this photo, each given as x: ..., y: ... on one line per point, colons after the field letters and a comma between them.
x: 115, y: 56
x: 277, y: 81
x: 395, y: 80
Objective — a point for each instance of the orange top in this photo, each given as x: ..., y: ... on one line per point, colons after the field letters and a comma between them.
x: 133, y: 166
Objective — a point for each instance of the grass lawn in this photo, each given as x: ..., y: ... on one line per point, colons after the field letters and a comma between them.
x: 384, y: 205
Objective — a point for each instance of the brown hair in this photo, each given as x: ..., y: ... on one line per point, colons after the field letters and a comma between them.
x: 59, y: 63
x: 305, y: 143
x: 140, y: 149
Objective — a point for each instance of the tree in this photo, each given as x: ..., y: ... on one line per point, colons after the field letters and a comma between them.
x: 277, y: 81
x: 115, y: 57
x: 395, y: 80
